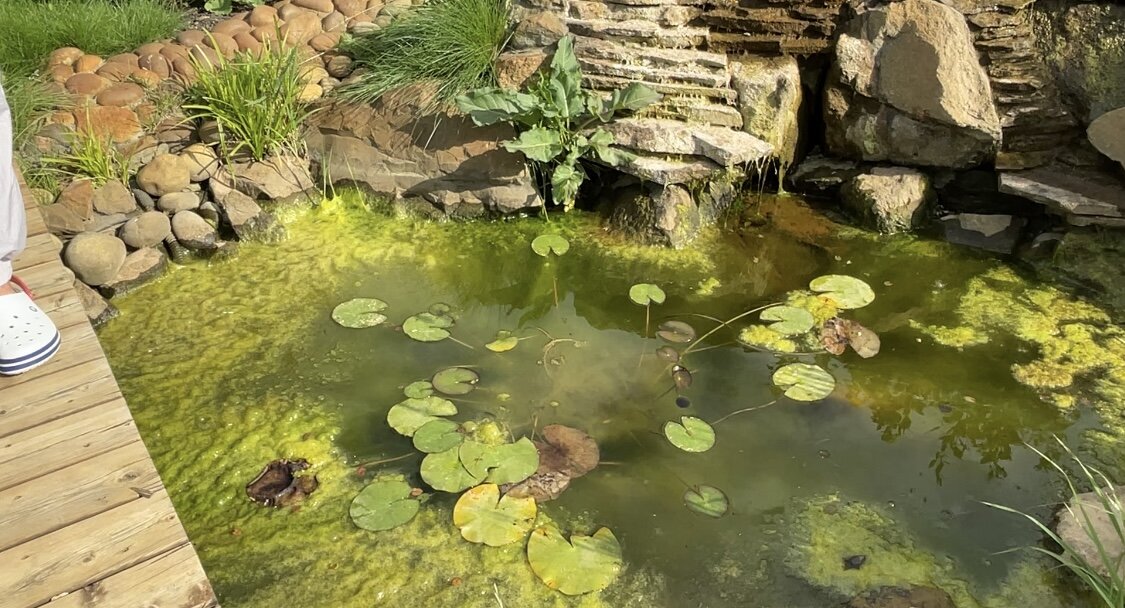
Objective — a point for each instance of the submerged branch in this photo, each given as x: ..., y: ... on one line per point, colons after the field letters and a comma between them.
x: 743, y: 411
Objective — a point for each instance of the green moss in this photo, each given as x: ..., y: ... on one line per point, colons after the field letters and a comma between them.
x: 763, y: 337
x: 958, y: 337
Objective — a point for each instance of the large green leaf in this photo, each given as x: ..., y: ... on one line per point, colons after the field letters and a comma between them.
x: 492, y: 105
x: 582, y: 565
x: 515, y: 462
x: 438, y: 435
x: 537, y: 143
x: 409, y: 415
x: 456, y: 381
x: 708, y: 500
x: 360, y: 312
x: 483, y: 516
x: 444, y: 471
x: 690, y: 434
x: 632, y: 98
x: 383, y: 504
x: 847, y: 292
x: 790, y: 320
x: 646, y: 293
x: 427, y: 327
x: 804, y: 382
x: 546, y: 244
x: 565, y: 85
x: 565, y: 182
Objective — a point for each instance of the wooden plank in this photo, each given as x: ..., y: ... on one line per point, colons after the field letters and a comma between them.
x: 60, y: 443
x: 72, y: 390
x: 161, y: 582
x: 54, y: 501
x: 40, y: 249
x: 91, y: 550
x: 79, y: 345
x: 46, y: 279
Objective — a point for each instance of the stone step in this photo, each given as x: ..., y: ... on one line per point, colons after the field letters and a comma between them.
x: 1068, y: 190
x: 663, y: 169
x: 726, y: 147
x: 757, y: 43
x: 714, y: 63
x: 695, y: 110
x: 644, y: 32
x: 609, y: 83
x: 651, y: 75
x: 762, y: 21
x: 673, y: 15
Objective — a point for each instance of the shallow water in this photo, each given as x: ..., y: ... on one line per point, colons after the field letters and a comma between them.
x: 230, y: 365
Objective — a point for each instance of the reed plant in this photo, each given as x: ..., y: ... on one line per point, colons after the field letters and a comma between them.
x: 89, y: 156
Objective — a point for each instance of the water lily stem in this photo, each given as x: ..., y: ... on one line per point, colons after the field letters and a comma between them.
x: 727, y: 323
x: 468, y: 346
x: 386, y: 460
x: 743, y: 411
x: 555, y: 289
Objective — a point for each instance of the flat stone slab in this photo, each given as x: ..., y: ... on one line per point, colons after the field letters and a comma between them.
x: 991, y: 232
x: 726, y: 147
x: 1073, y: 192
x: 665, y: 171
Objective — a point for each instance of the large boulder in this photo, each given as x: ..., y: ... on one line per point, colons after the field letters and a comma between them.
x: 193, y: 232
x: 1086, y: 47
x: 1086, y: 529
x: 769, y: 99
x: 906, y: 86
x: 166, y: 174
x: 1107, y: 134
x: 890, y: 199
x: 95, y: 257
x: 113, y: 197
x: 148, y: 229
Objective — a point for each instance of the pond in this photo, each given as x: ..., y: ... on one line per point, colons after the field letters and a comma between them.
x: 230, y: 365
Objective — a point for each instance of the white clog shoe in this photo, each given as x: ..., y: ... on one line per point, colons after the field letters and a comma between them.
x: 28, y: 338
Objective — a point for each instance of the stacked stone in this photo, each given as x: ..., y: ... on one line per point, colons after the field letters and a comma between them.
x: 792, y: 27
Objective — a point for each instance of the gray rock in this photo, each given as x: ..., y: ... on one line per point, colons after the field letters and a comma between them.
x: 1080, y: 195
x: 94, y: 257
x: 276, y: 178
x: 210, y: 212
x: 201, y: 161
x: 193, y: 232
x: 148, y: 229
x: 61, y: 219
x: 178, y: 201
x: 663, y: 170
x: 113, y: 197
x: 98, y: 310
x: 105, y: 223
x: 1086, y: 510
x: 166, y: 173
x: 654, y: 214
x: 998, y: 233
x: 906, y: 86
x: 822, y: 175
x: 144, y: 201
x: 661, y: 136
x: 1107, y: 134
x: 769, y: 98
x: 537, y: 29
x: 140, y: 267
x: 244, y: 215
x: 890, y: 199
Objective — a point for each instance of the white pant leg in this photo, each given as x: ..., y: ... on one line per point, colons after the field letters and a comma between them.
x: 13, y: 224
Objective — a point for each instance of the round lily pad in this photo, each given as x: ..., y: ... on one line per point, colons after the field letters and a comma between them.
x: 438, y: 435
x: 690, y: 434
x: 676, y: 332
x: 580, y: 565
x: 383, y: 504
x: 515, y: 462
x: 360, y: 312
x: 419, y: 390
x: 847, y: 292
x: 440, y: 309
x: 645, y: 293
x: 455, y: 380
x: 790, y: 320
x: 804, y: 382
x: 409, y: 415
x: 545, y: 244
x: 443, y: 471
x: 483, y: 516
x: 707, y: 500
x: 503, y: 343
x: 427, y: 327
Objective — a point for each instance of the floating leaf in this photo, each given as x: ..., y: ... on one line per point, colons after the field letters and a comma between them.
x: 847, y: 292
x: 582, y: 565
x: 676, y: 332
x: 419, y: 390
x: 545, y: 244
x: 455, y: 380
x: 707, y: 500
x: 567, y: 450
x: 408, y: 416
x: 383, y: 504
x: 444, y: 471
x: 669, y: 354
x: 804, y: 382
x: 645, y: 293
x: 483, y: 516
x: 516, y: 462
x: 438, y: 435
x: 790, y: 320
x: 681, y: 376
x: 837, y: 333
x: 690, y: 434
x: 360, y: 312
x: 440, y: 309
x: 427, y: 327
x: 503, y: 343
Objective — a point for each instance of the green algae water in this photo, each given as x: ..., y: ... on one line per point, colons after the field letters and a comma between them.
x: 232, y: 364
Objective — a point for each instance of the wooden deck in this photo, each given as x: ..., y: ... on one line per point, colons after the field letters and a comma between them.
x: 84, y: 518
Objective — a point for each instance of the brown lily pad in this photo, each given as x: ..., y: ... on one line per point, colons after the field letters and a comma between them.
x: 279, y: 486
x: 565, y: 453
x: 836, y: 334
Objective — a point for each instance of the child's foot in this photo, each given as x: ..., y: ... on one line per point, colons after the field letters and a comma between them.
x: 28, y: 338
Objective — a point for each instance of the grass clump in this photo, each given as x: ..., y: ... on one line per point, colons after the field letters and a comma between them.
x: 449, y: 44
x: 90, y: 157
x: 31, y: 101
x: 254, y: 98
x: 1104, y: 574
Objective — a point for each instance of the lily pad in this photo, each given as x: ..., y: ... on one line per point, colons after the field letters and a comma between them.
x: 455, y: 380
x: 383, y: 504
x: 676, y: 332
x: 419, y: 390
x: 646, y: 293
x: 409, y: 415
x: 444, y: 471
x: 440, y: 309
x: 427, y: 327
x: 500, y: 464
x: 503, y: 343
x: 567, y: 450
x: 483, y: 516
x: 690, y: 434
x: 669, y: 354
x: 804, y: 382
x: 438, y: 435
x: 708, y: 500
x: 580, y: 565
x: 837, y: 333
x: 545, y: 244
x: 847, y: 292
x: 681, y: 377
x: 789, y: 320
x: 360, y: 312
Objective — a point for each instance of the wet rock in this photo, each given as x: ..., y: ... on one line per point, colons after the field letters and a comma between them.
x: 193, y: 232
x: 854, y: 562
x: 279, y: 486
x: 98, y: 309
x: 906, y: 86
x: 769, y: 99
x: 1107, y: 134
x: 178, y: 201
x: 140, y: 267
x: 1083, y: 520
x: 903, y: 597
x: 822, y: 175
x: 94, y: 257
x: 997, y: 233
x: 164, y: 175
x: 244, y: 215
x: 113, y: 197
x: 148, y: 229
x: 1086, y: 47
x: 890, y: 199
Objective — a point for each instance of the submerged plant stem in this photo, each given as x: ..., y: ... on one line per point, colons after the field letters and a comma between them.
x: 743, y: 411
x: 691, y: 349
x: 374, y: 463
